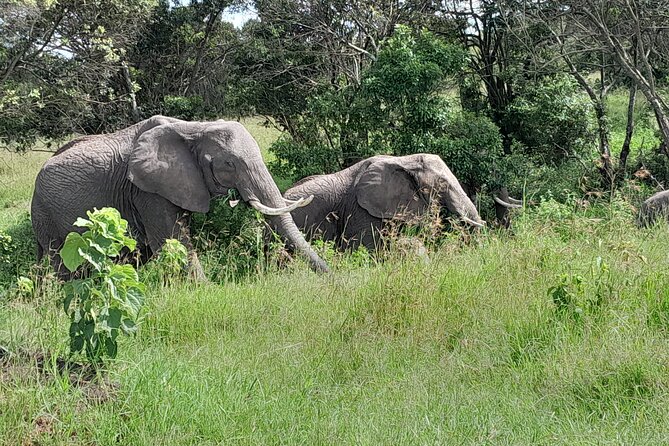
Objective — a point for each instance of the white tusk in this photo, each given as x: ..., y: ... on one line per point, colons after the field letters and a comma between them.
x: 505, y: 204
x: 472, y: 222
x: 514, y: 201
x: 258, y: 206
x: 305, y: 201
x: 233, y: 203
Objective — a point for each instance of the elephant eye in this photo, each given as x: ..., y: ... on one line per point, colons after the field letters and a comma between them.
x: 229, y: 164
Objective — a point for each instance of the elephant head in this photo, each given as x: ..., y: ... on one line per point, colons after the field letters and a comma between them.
x: 409, y: 184
x: 655, y: 208
x: 189, y: 162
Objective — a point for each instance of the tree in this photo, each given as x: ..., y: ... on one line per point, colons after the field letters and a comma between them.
x: 626, y: 36
x: 399, y: 108
x: 298, y: 49
x: 62, y: 66
x: 185, y: 59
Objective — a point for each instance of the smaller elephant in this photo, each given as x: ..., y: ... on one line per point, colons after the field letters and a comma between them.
x: 654, y: 208
x: 352, y: 206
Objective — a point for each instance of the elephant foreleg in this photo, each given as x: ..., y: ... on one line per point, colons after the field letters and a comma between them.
x: 195, y: 270
x: 163, y: 221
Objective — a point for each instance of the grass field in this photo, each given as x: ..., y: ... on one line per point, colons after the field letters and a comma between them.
x: 553, y: 333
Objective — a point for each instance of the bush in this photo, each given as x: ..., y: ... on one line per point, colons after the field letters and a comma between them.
x: 107, y: 301
x: 17, y: 251
x: 299, y: 160
x: 181, y: 107
x: 232, y: 240
x: 552, y: 119
x: 171, y: 265
x: 397, y: 108
x: 472, y: 148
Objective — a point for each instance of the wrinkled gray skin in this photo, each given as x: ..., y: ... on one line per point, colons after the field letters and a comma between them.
x: 654, y: 208
x: 155, y: 173
x: 350, y: 206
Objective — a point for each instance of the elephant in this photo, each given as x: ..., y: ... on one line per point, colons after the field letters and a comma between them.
x: 157, y: 172
x: 351, y: 206
x: 654, y: 208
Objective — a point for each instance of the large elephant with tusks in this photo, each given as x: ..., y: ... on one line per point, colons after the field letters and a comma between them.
x: 156, y: 173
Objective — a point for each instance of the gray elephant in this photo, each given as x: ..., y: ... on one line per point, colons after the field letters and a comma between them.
x: 351, y: 206
x: 155, y: 173
x: 654, y: 208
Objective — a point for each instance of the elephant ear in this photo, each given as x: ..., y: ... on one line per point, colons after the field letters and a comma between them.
x: 387, y: 189
x: 162, y: 163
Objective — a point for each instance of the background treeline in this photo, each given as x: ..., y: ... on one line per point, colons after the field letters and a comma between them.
x: 553, y: 97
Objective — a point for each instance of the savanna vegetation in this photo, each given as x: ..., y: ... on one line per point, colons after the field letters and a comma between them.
x: 550, y: 326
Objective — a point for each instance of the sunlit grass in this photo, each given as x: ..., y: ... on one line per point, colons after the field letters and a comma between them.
x: 17, y: 181
x: 469, y: 348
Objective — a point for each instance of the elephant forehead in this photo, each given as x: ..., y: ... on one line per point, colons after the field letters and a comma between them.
x: 230, y: 134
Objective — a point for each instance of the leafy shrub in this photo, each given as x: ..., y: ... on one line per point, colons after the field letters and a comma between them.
x: 573, y: 301
x: 181, y: 107
x: 355, y: 258
x: 299, y: 160
x: 17, y: 251
x: 552, y: 119
x: 472, y: 147
x: 108, y: 300
x: 232, y: 241
x: 397, y: 108
x: 173, y: 257
x: 170, y: 266
x: 551, y: 209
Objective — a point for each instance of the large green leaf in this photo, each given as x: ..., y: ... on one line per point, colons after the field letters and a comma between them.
x: 114, y: 318
x: 135, y: 299
x: 71, y: 251
x: 95, y: 259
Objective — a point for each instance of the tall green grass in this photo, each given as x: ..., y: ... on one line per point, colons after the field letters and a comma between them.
x: 469, y: 348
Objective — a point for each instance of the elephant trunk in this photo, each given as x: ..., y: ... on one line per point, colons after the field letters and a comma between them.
x: 287, y: 229
x: 264, y: 194
x: 458, y: 203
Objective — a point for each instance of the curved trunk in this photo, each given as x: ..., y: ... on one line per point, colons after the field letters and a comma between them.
x: 266, y: 191
x: 288, y: 230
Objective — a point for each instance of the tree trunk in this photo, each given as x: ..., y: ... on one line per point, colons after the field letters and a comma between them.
x: 629, y: 131
x: 662, y: 121
x: 211, y: 24
x: 131, y: 92
x: 606, y: 168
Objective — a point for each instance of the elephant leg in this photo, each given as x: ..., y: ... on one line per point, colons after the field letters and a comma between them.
x: 195, y: 270
x: 163, y: 220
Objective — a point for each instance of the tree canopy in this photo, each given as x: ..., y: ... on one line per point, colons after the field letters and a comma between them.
x: 486, y: 84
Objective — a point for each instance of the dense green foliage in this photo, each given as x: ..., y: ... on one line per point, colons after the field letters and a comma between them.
x: 550, y: 120
x: 398, y: 108
x: 108, y: 299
